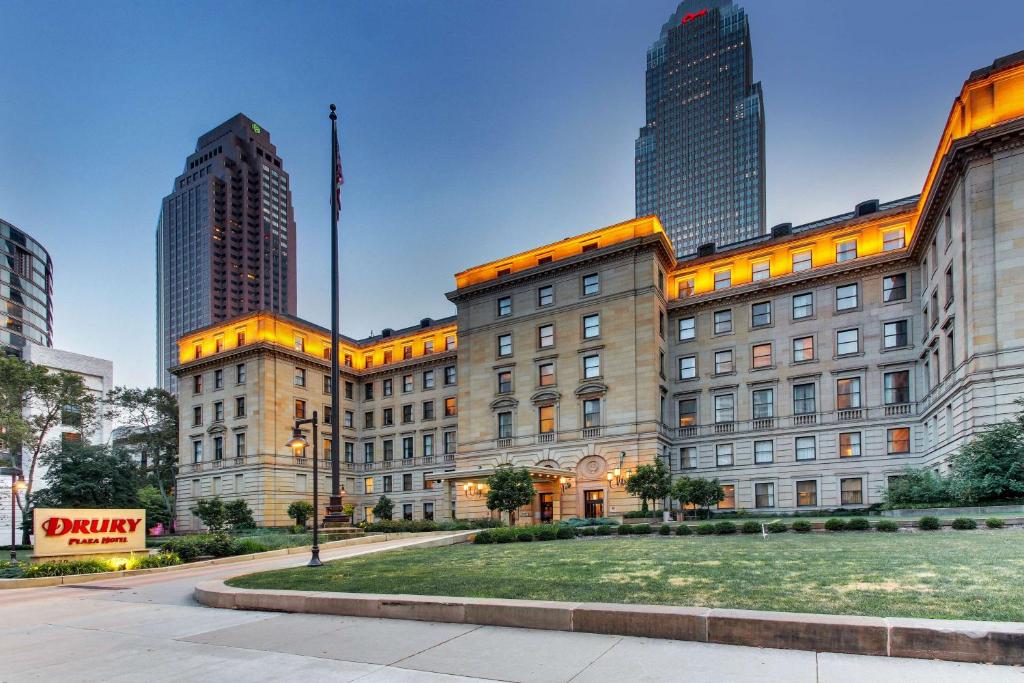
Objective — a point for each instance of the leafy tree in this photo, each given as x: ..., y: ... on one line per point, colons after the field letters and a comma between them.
x: 990, y: 467
x: 917, y: 485
x: 650, y: 482
x: 301, y: 511
x: 80, y: 475
x: 238, y: 515
x: 156, y: 512
x: 151, y: 418
x: 510, y: 488
x: 211, y: 511
x: 384, y: 508
x: 700, y: 492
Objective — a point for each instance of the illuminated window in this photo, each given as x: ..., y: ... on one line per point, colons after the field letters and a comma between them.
x: 764, y: 493
x: 846, y: 250
x: 546, y: 374
x: 505, y: 382
x: 591, y: 326
x: 723, y: 362
x: 723, y: 455
x: 892, y: 239
x: 802, y: 260
x: 760, y: 270
x: 505, y: 306
x: 591, y: 366
x: 545, y: 336
x: 895, y: 334
x: 762, y: 354
x: 803, y: 305
x: 451, y: 407
x: 687, y: 367
x: 387, y: 356
x: 546, y: 295
x: 684, y: 287
x: 591, y: 284
x: 546, y: 419
x: 687, y: 412
x: 368, y: 481
x: 847, y: 342
x: 805, y: 448
x: 849, y: 445
x: 723, y: 321
x: 807, y: 493
x: 729, y: 501
x: 449, y: 342
x: 898, y: 440
x: 300, y: 409
x: 428, y: 347
x: 847, y: 297
x: 407, y: 352
x: 723, y: 279
x: 848, y: 393
x: 761, y: 314
x: 687, y: 329
x: 300, y: 343
x: 851, y: 491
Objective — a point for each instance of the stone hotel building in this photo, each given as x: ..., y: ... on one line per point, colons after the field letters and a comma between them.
x: 802, y: 369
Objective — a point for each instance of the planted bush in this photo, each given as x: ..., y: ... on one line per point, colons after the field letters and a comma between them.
x: 750, y: 527
x: 683, y: 530
x: 929, y: 523
x: 547, y: 533
x: 723, y: 528
x: 858, y: 524
x: 565, y: 532
x: 524, y: 536
x: 625, y: 530
x: 642, y: 529
x: 802, y: 526
x: 964, y: 524
x: 994, y: 523
x: 503, y: 535
x: 590, y: 530
x: 777, y: 528
x: 483, y: 537
x: 835, y: 524
x: 664, y: 530
x: 705, y: 529
x: 158, y: 560
x: 887, y: 526
x: 54, y: 568
x: 248, y: 546
x: 604, y: 530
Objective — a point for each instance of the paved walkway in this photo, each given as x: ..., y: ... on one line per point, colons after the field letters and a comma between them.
x: 149, y: 628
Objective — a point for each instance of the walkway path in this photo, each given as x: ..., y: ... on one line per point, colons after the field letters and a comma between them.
x: 149, y: 628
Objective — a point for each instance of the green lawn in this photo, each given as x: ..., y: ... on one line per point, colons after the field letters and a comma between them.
x: 946, y: 575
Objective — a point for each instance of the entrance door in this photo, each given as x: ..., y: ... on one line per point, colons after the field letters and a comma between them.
x: 547, y: 508
x: 593, y: 503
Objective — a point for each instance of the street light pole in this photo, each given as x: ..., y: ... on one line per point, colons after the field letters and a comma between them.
x: 298, y: 443
x: 17, y: 482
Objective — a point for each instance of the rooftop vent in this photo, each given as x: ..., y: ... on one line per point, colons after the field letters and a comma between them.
x: 426, y: 322
x: 706, y: 249
x: 865, y: 208
x: 386, y: 332
x: 782, y: 229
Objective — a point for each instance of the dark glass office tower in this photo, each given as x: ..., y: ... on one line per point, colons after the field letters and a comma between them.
x: 700, y: 158
x: 26, y: 291
x: 225, y: 239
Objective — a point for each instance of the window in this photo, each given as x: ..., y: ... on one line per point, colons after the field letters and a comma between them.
x: 368, y: 391
x: 197, y: 351
x: 350, y: 451
x: 687, y: 329
x: 847, y: 297
x: 847, y: 342
x: 805, y: 448
x: 947, y: 224
x: 505, y: 425
x: 849, y: 445
x: 428, y: 511
x: 349, y: 419
x: 348, y: 360
x: 725, y: 408
x: 505, y: 345
x: 949, y: 285
x: 218, y: 411
x: 591, y: 326
x: 684, y: 287
x: 240, y: 373
x: 950, y: 352
x: 851, y: 491
x: 407, y: 352
x: 428, y: 347
x: 389, y: 450
x: 846, y: 250
x: 387, y: 387
x: 687, y: 367
x: 240, y: 339
x: 723, y: 321
x: 545, y: 336
x: 428, y: 410
x: 802, y: 260
x: 764, y: 452
x: 407, y: 510
x: 762, y: 354
x: 723, y: 279
x: 591, y: 284
x: 591, y: 366
x: 761, y: 314
x: 449, y: 342
x: 428, y: 379
x: 893, y: 239
x: 451, y: 407
x: 407, y: 413
x: 300, y: 343
x: 197, y: 384
x: 661, y: 324
x: 894, y: 287
x: 723, y: 455
x: 388, y: 356
x: 449, y: 375
x: 546, y: 419
x: 760, y: 270
x: 387, y: 417
x: 898, y: 441
x: 546, y: 374
x: 803, y: 349
x: 197, y: 416
x: 300, y: 377
x: 368, y: 483
x: 406, y: 384
x: 729, y: 501
x: 504, y: 306
x: 240, y: 445
x: 327, y: 384
x: 806, y: 493
x: 449, y: 442
x: 428, y: 445
x: 349, y: 389
x: 848, y: 393
x: 407, y: 448
x: 505, y: 382
x: 723, y: 362
x: 368, y: 419
x: 368, y: 451
x: 804, y: 402
x: 546, y: 295
x: 591, y: 413
x: 218, y: 379
x: 197, y: 451
x: 688, y: 457
x: 687, y: 412
x: 763, y: 401
x: 894, y: 334
x: 764, y: 495
x: 803, y: 305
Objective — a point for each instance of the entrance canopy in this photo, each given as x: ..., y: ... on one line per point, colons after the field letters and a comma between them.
x: 537, y: 473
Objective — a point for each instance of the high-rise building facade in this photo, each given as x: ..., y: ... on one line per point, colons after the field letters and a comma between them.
x: 700, y: 156
x: 26, y: 291
x: 225, y: 239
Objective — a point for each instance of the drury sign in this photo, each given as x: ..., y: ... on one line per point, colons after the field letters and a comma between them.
x: 82, y: 532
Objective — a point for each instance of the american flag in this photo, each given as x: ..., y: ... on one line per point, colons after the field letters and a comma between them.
x: 339, y: 177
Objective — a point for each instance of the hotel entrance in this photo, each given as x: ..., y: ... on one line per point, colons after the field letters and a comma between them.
x: 547, y: 507
x: 593, y: 503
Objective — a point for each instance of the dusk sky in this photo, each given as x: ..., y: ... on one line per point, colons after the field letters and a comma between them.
x: 470, y: 130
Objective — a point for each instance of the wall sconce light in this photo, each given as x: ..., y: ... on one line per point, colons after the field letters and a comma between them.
x: 565, y: 482
x: 473, y: 489
x: 617, y: 478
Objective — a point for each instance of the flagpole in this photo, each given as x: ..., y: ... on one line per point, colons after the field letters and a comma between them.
x: 335, y: 508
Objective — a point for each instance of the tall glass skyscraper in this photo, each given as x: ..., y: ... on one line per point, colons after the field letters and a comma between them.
x: 225, y: 239
x: 700, y: 157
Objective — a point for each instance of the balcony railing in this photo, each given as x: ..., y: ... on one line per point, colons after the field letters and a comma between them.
x: 849, y: 414
x: 763, y: 423
x: 546, y: 437
x: 591, y: 432
x: 805, y: 420
x: 505, y: 442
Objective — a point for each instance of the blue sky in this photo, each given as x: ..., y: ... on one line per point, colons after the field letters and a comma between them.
x: 470, y: 129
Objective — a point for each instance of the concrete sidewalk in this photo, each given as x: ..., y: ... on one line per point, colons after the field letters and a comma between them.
x: 149, y: 627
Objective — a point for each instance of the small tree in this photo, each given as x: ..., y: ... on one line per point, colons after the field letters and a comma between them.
x: 700, y: 492
x: 650, y: 482
x: 916, y: 485
x: 990, y: 467
x: 238, y: 515
x: 156, y: 511
x: 80, y: 475
x: 211, y: 511
x: 384, y: 508
x: 510, y: 488
x: 300, y: 511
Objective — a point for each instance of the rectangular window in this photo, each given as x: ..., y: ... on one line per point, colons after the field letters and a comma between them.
x: 896, y: 387
x: 591, y: 367
x: 847, y: 297
x: 428, y: 379
x: 725, y: 408
x: 449, y: 342
x: 723, y: 362
x: 218, y: 411
x: 898, y: 441
x: 545, y: 336
x: 407, y: 413
x: 546, y: 295
x: 300, y: 409
x: 688, y: 457
x: 449, y: 442
x: 505, y: 345
x: 803, y: 305
x: 849, y: 445
x: 387, y: 387
x: 407, y: 448
x: 505, y: 425
x: 729, y: 501
x: 723, y: 455
x: 197, y: 384
x: 240, y: 445
x: 368, y: 451
x: 327, y: 384
x: 505, y: 382
x: 406, y: 384
x: 218, y: 379
x: 240, y: 338
x: 428, y: 347
x: 388, y: 417
x: 847, y: 342
x: 803, y: 349
x: 449, y: 375
x: 591, y: 326
x: 949, y: 286
x: 805, y: 448
x: 950, y: 352
x: 368, y: 391
x: 349, y: 390
x: 846, y: 250
x: 428, y: 445
x: 893, y: 239
x: 762, y: 355
x: 764, y: 452
x: 388, y: 450
x: 804, y: 400
x: 451, y: 407
x: 760, y: 270
x: 546, y: 374
x: 723, y: 279
x: 388, y: 356
x: 428, y: 511
x: 504, y: 306
x: 807, y: 493
x: 240, y: 373
x: 197, y: 451
x: 848, y: 393
x: 368, y: 484
x: 591, y: 284
x: 348, y: 360
x: 687, y: 367
x: 723, y: 321
x: 591, y: 413
x: 684, y: 287
x: 802, y: 260
x: 407, y: 486
x: 428, y: 410
x: 761, y: 314
x: 546, y: 419
x: 407, y: 352
x: 763, y: 401
x: 300, y: 343
x: 895, y: 335
x: 350, y: 451
x: 368, y: 420
x: 687, y: 329
x: 687, y: 412
x: 349, y: 419
x: 894, y: 287
x: 851, y: 491
x: 764, y: 495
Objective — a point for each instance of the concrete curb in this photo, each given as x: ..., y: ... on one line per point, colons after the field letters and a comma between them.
x: 45, y: 581
x: 961, y: 641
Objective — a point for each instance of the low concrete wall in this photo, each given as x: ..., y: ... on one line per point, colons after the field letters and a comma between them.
x: 962, y: 641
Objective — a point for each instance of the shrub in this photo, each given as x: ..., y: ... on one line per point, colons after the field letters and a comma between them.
x: 964, y: 524
x: 835, y: 524
x: 664, y: 530
x: 683, y: 530
x: 723, y: 528
x: 211, y: 512
x: 929, y: 523
x: 604, y: 530
x: 384, y: 509
x: 858, y: 524
x: 300, y: 511
x: 524, y: 536
x: 248, y: 546
x: 54, y: 568
x: 705, y: 529
x: 636, y: 514
x: 402, y: 525
x: 994, y: 523
x: 625, y: 530
x: 547, y: 533
x: 238, y: 515
x: 483, y: 537
x: 802, y: 526
x: 887, y: 526
x: 642, y: 529
x: 916, y: 485
x: 483, y: 523
x: 503, y: 535
x: 158, y: 560
x: 590, y: 531
x: 777, y: 528
x: 750, y: 527
x: 565, y: 532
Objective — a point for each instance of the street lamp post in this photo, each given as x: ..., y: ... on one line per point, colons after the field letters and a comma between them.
x: 17, y: 484
x: 298, y: 443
